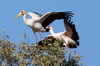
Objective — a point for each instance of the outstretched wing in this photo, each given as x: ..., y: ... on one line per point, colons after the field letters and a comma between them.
x: 51, y: 16
x: 67, y: 24
x: 71, y: 30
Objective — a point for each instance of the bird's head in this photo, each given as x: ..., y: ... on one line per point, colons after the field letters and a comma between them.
x: 20, y: 14
x: 48, y: 27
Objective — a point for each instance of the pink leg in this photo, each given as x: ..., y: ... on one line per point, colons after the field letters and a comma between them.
x: 66, y: 42
x: 68, y: 48
x: 68, y: 51
x: 36, y: 37
x: 40, y: 35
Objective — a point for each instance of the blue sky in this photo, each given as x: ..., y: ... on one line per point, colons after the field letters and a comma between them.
x: 86, y: 18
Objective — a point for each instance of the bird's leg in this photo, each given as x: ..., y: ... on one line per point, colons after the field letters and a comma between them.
x: 68, y: 51
x: 68, y: 48
x: 36, y: 37
x: 40, y: 35
x: 66, y: 42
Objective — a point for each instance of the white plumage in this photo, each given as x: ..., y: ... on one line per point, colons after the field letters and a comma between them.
x: 69, y: 37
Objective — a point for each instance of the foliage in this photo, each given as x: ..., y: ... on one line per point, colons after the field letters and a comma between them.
x: 24, y: 54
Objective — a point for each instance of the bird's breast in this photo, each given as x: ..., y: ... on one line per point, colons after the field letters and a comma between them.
x: 37, y: 27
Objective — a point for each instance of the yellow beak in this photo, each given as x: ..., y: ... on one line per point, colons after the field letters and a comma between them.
x: 20, y: 14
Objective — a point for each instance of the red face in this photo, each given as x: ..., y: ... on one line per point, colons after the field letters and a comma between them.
x: 23, y: 12
x: 48, y: 27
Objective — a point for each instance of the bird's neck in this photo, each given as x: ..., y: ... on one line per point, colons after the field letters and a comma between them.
x: 51, y: 31
x: 25, y: 17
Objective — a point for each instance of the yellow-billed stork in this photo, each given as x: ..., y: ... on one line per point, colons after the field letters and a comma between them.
x: 38, y: 22
x: 69, y: 37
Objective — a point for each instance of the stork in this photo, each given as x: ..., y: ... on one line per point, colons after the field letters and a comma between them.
x: 38, y: 22
x: 69, y: 37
